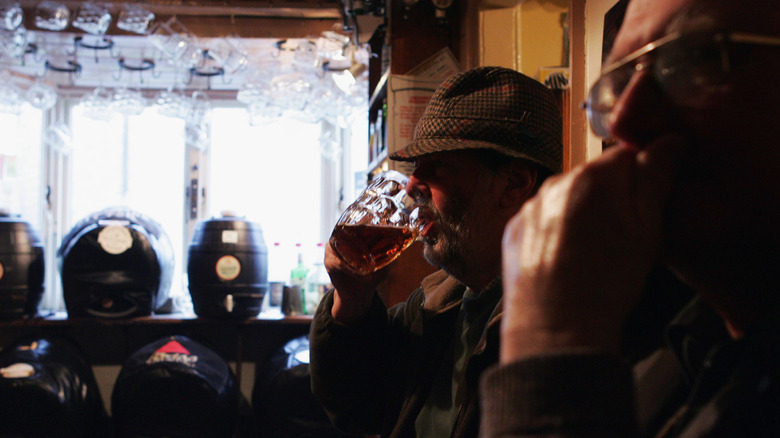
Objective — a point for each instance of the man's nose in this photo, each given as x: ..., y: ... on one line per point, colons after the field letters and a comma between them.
x: 641, y: 113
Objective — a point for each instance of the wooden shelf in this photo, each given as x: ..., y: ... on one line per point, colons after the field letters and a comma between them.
x: 111, y: 341
x: 374, y: 165
x: 380, y: 90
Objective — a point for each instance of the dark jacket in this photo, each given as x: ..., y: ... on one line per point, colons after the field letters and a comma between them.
x: 704, y: 384
x: 374, y: 376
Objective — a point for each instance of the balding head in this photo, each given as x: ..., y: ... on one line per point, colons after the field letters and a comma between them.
x: 648, y: 20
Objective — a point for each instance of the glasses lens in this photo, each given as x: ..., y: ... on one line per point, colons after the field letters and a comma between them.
x: 599, y: 123
x: 597, y: 114
x: 682, y: 68
x: 603, y: 96
x: 687, y: 67
x: 687, y: 70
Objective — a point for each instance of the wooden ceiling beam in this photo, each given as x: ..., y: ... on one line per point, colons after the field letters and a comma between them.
x: 281, y: 9
x: 256, y: 27
x: 203, y: 18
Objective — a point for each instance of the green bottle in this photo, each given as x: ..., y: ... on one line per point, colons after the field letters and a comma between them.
x: 298, y: 277
x: 317, y: 284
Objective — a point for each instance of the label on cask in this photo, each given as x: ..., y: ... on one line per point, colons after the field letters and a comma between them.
x: 115, y: 239
x: 228, y: 268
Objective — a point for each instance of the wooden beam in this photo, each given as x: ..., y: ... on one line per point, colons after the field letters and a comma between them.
x: 281, y: 9
x: 256, y: 27
x: 211, y: 19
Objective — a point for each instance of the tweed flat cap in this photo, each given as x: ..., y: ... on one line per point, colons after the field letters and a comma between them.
x: 490, y: 108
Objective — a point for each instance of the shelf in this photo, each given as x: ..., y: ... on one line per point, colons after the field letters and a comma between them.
x: 376, y: 162
x: 110, y: 341
x: 379, y: 90
x: 61, y: 318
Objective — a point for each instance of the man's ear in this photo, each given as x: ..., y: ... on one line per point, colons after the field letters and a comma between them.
x: 521, y: 184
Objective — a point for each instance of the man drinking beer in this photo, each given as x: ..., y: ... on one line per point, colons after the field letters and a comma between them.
x: 485, y: 143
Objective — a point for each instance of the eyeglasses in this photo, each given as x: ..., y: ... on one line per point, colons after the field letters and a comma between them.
x: 687, y: 69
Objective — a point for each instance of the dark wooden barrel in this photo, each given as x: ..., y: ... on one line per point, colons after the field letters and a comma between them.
x: 21, y: 269
x: 175, y: 387
x: 227, y: 268
x: 48, y: 389
x: 115, y: 263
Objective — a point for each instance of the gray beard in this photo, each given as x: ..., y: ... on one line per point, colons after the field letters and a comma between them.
x: 446, y: 250
x: 457, y: 227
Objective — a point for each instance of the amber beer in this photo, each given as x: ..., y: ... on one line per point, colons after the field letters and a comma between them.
x: 378, y: 226
x: 367, y: 248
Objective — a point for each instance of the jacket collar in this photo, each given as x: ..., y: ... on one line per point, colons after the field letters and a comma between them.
x: 443, y: 292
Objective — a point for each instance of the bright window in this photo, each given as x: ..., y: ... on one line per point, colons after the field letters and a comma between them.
x: 135, y: 162
x: 290, y: 176
x: 270, y: 174
x: 21, y: 165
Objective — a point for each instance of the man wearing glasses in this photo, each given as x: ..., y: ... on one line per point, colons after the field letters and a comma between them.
x: 691, y: 96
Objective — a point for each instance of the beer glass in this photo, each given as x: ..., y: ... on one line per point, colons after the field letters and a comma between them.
x: 134, y: 18
x: 97, y: 104
x: 229, y: 54
x: 13, y: 42
x: 171, y: 103
x: 52, y: 15
x: 176, y: 43
x: 11, y: 15
x: 92, y: 18
x: 41, y: 96
x: 378, y: 226
x: 127, y: 101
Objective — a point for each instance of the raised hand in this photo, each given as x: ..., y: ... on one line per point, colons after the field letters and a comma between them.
x: 576, y: 256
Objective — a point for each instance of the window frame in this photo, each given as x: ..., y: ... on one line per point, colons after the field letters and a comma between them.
x: 337, y: 187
